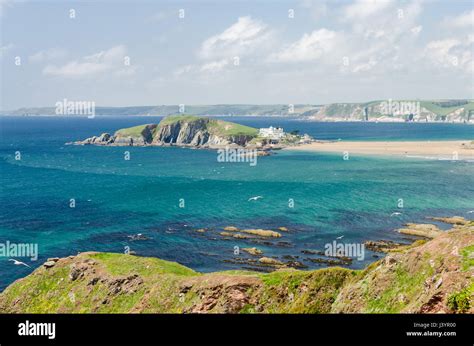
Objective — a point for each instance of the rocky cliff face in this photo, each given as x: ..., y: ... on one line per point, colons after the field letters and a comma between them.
x: 142, y: 136
x: 200, y: 133
x: 189, y: 133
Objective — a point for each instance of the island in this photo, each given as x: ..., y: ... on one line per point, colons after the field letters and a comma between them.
x: 199, y: 132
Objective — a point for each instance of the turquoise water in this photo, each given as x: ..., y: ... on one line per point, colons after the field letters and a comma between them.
x: 116, y: 198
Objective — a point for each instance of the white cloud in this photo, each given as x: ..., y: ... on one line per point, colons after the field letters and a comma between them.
x: 365, y: 66
x: 464, y: 20
x: 127, y: 71
x: 383, y: 34
x: 361, y: 9
x: 111, y: 61
x: 416, y: 29
x: 241, y: 38
x: 316, y: 8
x: 309, y: 47
x: 161, y: 16
x: 5, y: 49
x: 201, y: 72
x: 183, y: 70
x: 215, y: 66
x: 379, y: 36
x: 451, y: 53
x: 48, y: 54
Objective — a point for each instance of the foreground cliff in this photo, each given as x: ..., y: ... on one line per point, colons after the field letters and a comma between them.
x: 426, y: 277
x: 179, y: 130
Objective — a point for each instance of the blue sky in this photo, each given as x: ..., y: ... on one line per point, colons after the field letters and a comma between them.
x: 119, y: 53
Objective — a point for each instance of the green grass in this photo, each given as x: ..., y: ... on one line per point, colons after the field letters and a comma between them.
x: 135, y: 131
x: 461, y: 301
x: 226, y: 128
x: 119, y: 264
x: 292, y: 278
x: 214, y: 126
x: 442, y: 111
x: 403, y: 283
x: 239, y: 272
x: 296, y: 291
x: 467, y: 260
x: 175, y: 118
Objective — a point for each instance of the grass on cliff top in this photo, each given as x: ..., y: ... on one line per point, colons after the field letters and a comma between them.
x: 51, y: 290
x: 437, y: 109
x: 171, y: 119
x: 467, y: 254
x: 135, y: 131
x: 403, y: 284
x: 461, y: 301
x: 214, y: 126
x: 120, y: 264
x: 227, y: 128
x: 297, y: 291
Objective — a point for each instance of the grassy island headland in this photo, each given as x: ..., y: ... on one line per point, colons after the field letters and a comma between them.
x: 194, y: 131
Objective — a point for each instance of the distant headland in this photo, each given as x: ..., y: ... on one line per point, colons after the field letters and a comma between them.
x: 445, y: 111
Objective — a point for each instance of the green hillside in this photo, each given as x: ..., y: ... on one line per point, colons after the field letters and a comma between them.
x: 445, y: 107
x: 135, y: 131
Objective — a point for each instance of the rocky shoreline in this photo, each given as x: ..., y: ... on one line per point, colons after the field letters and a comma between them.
x: 277, y: 238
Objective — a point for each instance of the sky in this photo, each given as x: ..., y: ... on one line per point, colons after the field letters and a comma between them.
x: 132, y: 53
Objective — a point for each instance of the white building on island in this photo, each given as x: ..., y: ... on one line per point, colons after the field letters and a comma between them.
x: 273, y: 133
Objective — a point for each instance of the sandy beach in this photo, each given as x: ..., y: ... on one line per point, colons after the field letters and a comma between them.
x: 423, y: 149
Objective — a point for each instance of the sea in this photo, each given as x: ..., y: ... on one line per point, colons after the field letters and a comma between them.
x: 151, y: 200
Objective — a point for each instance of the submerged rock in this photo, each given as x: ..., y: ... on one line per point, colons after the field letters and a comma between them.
x: 233, y: 235
x: 253, y: 251
x: 270, y: 261
x: 421, y: 230
x: 454, y: 220
x: 138, y: 236
x: 262, y: 233
x: 381, y: 245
